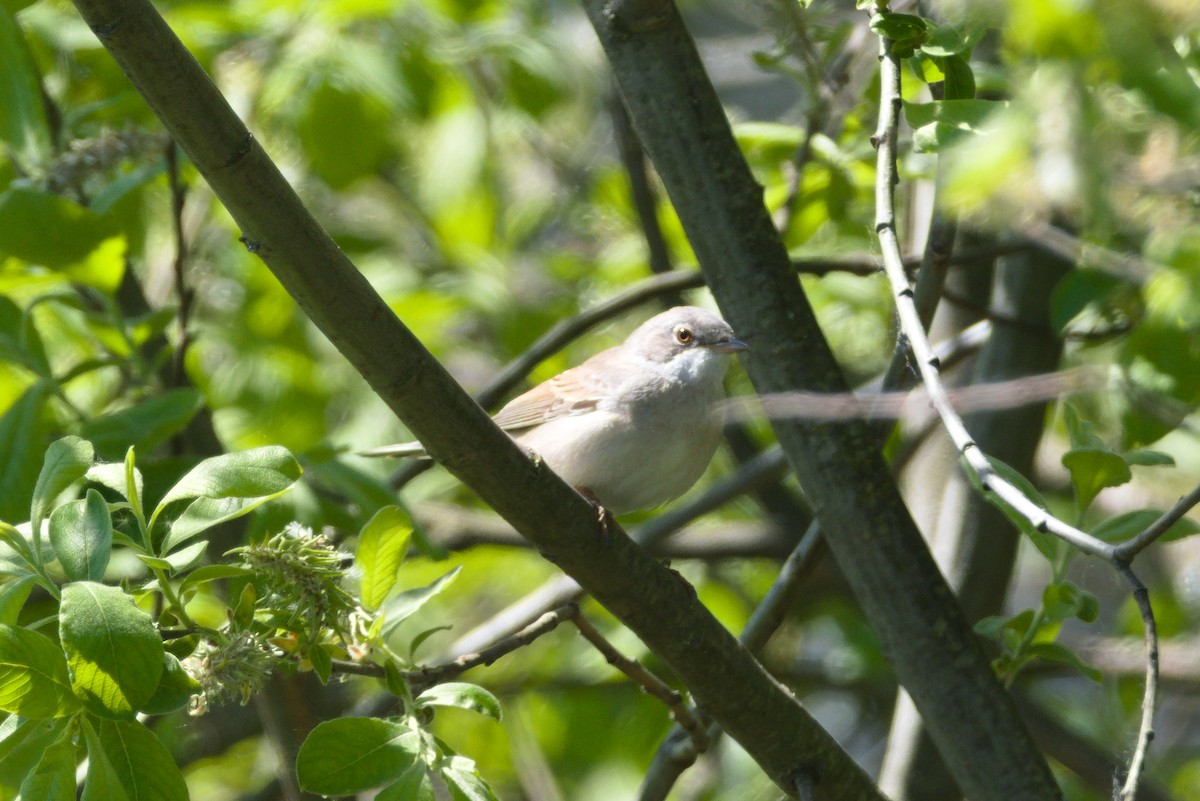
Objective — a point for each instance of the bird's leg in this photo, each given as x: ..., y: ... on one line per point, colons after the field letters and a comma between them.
x: 603, y: 516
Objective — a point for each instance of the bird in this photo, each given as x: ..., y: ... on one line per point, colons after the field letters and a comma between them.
x: 635, y: 425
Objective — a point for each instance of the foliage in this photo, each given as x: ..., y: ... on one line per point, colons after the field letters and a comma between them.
x: 163, y: 428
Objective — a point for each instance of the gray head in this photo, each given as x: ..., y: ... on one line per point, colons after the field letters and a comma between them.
x: 696, y: 335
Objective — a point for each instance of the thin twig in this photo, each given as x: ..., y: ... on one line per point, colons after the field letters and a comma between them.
x: 885, y: 140
x: 652, y: 684
x: 1132, y: 547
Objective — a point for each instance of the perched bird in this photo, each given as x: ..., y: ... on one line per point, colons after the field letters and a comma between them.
x: 633, y: 426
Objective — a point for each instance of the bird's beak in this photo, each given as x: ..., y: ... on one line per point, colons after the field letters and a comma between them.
x: 731, y: 345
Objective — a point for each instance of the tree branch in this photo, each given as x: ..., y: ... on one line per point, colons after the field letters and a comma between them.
x: 684, y: 129
x: 643, y: 594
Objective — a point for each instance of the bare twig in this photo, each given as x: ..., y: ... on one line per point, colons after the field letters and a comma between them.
x: 652, y: 684
x: 885, y: 140
x: 1132, y: 547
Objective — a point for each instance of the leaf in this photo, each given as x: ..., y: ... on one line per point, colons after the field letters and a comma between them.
x: 144, y: 424
x: 1063, y: 600
x: 205, y: 513
x: 952, y: 40
x: 258, y: 473
x: 941, y: 123
x: 101, y: 782
x: 142, y: 763
x: 420, y: 639
x: 22, y: 743
x: 174, y: 689
x: 67, y: 460
x: 907, y: 32
x: 13, y: 595
x: 48, y: 229
x: 463, y: 696
x: 464, y: 781
x: 33, y: 675
x: 1130, y: 524
x: 414, y: 785
x: 187, y: 557
x: 406, y: 603
x: 24, y: 127
x: 1056, y: 652
x: 994, y: 626
x: 112, y: 476
x: 114, y: 652
x: 1078, y: 290
x: 208, y: 573
x: 1092, y: 470
x: 959, y: 80
x: 54, y: 777
x: 352, y: 755
x: 82, y: 533
x: 1146, y: 458
x: 382, y: 545
x: 22, y: 429
x: 322, y: 663
x: 20, y: 341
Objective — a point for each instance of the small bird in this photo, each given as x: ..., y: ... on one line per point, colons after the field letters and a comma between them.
x: 633, y: 426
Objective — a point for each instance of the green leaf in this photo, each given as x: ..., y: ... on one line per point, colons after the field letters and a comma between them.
x: 81, y: 533
x: 23, y: 126
x: 22, y: 743
x: 1063, y: 600
x: 144, y: 424
x: 352, y: 755
x: 13, y: 595
x: 463, y: 696
x: 49, y: 229
x: 413, y: 785
x: 1079, y: 290
x: 994, y: 626
x: 952, y: 40
x: 33, y: 675
x: 22, y: 429
x: 1056, y: 652
x: 114, y: 651
x: 142, y: 763
x: 322, y: 663
x: 1092, y: 470
x: 334, y: 116
x: 101, y: 782
x: 204, y: 513
x: 212, y: 573
x: 67, y: 460
x: 20, y: 342
x: 1145, y: 458
x: 259, y: 473
x: 185, y: 558
x: 906, y: 31
x: 404, y: 604
x: 1130, y: 524
x: 420, y: 639
x: 941, y: 123
x: 54, y: 777
x: 174, y: 689
x: 464, y: 781
x: 116, y: 477
x: 382, y: 545
x: 1080, y: 432
x: 959, y: 80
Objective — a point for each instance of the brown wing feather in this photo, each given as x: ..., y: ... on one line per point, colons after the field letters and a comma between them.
x: 574, y: 391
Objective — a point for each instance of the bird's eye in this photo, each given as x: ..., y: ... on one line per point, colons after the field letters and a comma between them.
x: 684, y: 335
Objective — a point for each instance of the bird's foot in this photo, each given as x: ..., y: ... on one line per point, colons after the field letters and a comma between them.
x: 604, y: 517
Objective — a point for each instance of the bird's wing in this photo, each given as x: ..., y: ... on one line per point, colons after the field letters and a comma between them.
x: 572, y: 392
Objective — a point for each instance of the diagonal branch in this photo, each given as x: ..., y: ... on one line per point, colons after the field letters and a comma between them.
x: 644, y: 595
x: 870, y: 533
